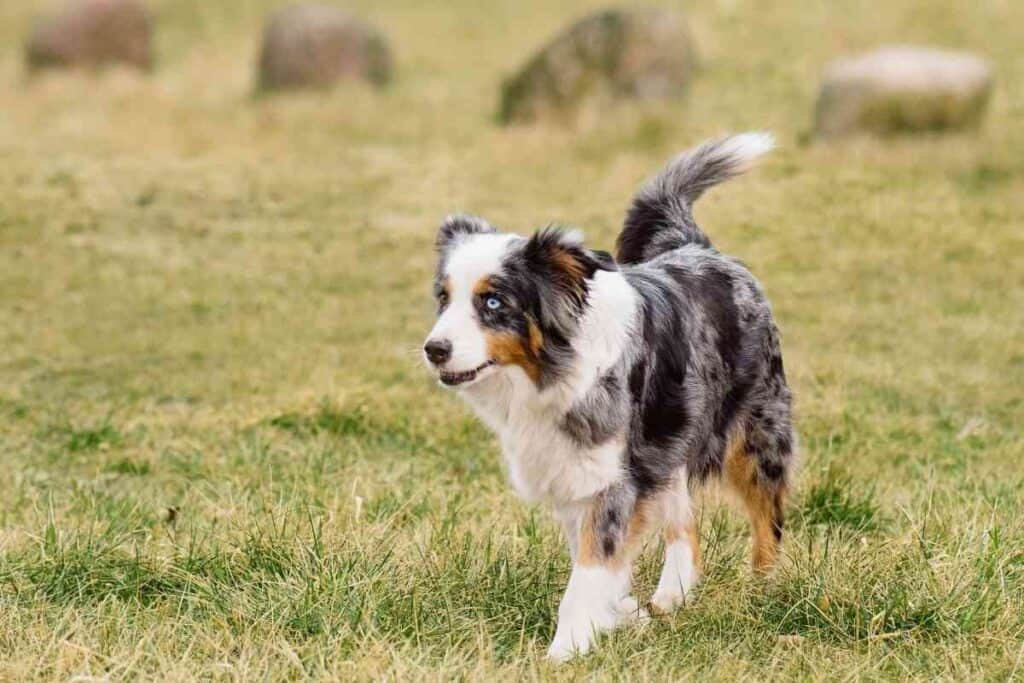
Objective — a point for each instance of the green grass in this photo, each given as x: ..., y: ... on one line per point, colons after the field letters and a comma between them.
x: 222, y: 460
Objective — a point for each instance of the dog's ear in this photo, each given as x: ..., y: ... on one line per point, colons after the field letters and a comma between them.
x: 457, y: 225
x: 567, y: 267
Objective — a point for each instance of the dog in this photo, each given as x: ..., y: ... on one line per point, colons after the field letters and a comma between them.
x: 618, y: 386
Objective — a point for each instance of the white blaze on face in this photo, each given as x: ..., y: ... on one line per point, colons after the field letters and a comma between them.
x: 471, y: 259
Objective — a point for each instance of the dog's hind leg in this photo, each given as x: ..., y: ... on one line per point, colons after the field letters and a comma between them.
x: 608, y: 533
x: 758, y: 478
x: 682, y: 548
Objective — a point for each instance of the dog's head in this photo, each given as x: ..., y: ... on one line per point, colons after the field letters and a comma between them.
x: 507, y: 302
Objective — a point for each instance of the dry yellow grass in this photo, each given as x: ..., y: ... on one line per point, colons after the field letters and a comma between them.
x: 213, y: 302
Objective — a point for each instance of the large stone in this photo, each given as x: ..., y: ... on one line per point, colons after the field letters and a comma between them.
x: 93, y: 33
x: 315, y: 46
x: 903, y: 88
x: 612, y: 55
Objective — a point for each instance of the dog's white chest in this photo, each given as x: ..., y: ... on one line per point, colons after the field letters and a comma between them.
x: 544, y: 464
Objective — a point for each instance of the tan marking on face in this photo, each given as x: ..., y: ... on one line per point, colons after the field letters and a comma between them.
x: 482, y: 286
x: 508, y: 348
x: 763, y: 506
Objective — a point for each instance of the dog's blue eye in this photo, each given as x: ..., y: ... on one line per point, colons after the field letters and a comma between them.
x: 493, y: 303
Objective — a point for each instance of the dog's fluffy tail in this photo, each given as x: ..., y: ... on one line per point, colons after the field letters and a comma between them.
x: 660, y: 218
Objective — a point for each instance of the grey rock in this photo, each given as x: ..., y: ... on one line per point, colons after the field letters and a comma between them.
x: 93, y: 33
x: 612, y: 55
x: 315, y: 46
x: 903, y: 88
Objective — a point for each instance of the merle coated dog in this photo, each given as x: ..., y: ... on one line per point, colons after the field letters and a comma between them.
x: 617, y: 386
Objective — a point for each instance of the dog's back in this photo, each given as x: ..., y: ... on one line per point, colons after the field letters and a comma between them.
x: 712, y: 381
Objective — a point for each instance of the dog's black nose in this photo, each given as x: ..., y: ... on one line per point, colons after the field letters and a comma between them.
x: 438, y: 351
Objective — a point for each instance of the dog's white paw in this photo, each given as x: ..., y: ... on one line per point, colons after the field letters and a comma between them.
x: 678, y: 577
x: 630, y: 611
x: 575, y: 635
x: 665, y: 600
x: 593, y: 603
x: 671, y: 594
x: 570, y: 642
x: 561, y: 652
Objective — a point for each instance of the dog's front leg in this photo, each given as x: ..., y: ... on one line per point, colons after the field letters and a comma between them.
x: 570, y: 517
x: 597, y: 597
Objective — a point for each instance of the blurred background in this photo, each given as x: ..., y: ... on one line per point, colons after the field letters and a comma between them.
x: 161, y: 225
x: 211, y: 301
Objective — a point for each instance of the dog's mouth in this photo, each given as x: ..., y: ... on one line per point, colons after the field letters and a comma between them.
x: 453, y: 379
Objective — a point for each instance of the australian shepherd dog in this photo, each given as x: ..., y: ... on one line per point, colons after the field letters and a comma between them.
x: 617, y: 386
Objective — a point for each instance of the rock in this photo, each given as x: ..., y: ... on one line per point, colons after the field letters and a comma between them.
x: 903, y: 88
x: 314, y: 46
x: 93, y: 33
x: 612, y: 55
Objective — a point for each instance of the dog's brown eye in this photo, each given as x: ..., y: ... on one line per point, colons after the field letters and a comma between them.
x: 442, y: 299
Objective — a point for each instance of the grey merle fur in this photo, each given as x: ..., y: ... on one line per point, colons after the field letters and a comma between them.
x: 612, y: 512
x: 710, y: 364
x: 602, y: 413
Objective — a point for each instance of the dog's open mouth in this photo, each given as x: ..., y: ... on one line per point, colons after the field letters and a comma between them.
x: 452, y: 379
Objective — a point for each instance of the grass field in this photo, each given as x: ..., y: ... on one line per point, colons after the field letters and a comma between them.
x: 221, y: 458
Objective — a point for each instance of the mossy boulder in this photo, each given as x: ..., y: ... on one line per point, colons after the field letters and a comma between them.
x: 903, y: 89
x: 612, y: 55
x: 315, y: 46
x: 92, y: 33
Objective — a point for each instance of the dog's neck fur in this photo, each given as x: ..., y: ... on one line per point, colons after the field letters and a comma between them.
x: 526, y: 419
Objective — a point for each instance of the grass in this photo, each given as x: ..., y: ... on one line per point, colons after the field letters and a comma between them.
x: 221, y: 458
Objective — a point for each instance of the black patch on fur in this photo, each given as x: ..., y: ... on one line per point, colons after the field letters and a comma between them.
x: 657, y: 385
x: 600, y: 415
x: 651, y: 217
x: 712, y: 290
x: 784, y: 443
x: 772, y: 471
x: 613, y: 508
x: 457, y: 225
x: 605, y: 261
